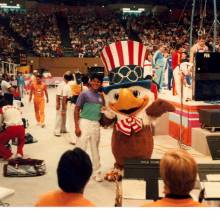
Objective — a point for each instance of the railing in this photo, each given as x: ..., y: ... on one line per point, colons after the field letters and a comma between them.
x: 9, y: 68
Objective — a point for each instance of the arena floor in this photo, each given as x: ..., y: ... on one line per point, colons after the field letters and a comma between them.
x: 50, y: 148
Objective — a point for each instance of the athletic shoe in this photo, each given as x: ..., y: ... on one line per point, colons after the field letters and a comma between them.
x: 98, y: 177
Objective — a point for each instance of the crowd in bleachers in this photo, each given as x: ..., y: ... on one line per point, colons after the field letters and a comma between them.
x: 89, y: 31
x: 40, y: 30
x: 8, y: 46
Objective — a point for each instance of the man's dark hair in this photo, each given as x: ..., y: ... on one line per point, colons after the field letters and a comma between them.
x: 85, y: 79
x: 68, y: 76
x: 148, y: 77
x: 74, y: 170
x: 98, y: 76
x: 178, y: 46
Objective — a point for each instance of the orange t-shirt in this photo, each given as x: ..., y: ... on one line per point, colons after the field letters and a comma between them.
x: 63, y: 199
x: 168, y: 202
x: 38, y: 90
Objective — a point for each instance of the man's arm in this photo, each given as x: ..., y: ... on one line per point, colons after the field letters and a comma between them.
x: 30, y: 97
x: 76, y: 119
x: 11, y: 90
x: 57, y: 102
x: 192, y: 54
x: 46, y: 94
x: 154, y: 59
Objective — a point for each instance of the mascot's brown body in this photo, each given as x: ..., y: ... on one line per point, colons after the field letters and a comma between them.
x: 137, y: 144
x: 129, y: 102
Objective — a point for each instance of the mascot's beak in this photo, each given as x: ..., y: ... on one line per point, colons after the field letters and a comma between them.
x: 127, y: 103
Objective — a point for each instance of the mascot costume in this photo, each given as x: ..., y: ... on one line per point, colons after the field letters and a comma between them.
x: 129, y: 104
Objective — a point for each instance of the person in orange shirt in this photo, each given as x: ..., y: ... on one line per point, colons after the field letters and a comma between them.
x: 74, y: 171
x: 38, y: 89
x: 178, y: 170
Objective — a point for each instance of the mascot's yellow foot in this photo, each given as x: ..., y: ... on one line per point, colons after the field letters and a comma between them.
x: 113, y: 175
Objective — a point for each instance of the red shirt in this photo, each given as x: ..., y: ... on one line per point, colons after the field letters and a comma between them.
x: 176, y: 59
x: 153, y: 89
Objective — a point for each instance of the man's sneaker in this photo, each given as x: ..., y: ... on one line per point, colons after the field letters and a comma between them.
x: 57, y: 134
x: 98, y: 177
x: 42, y: 125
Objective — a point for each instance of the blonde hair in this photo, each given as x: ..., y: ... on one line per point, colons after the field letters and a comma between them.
x: 178, y: 170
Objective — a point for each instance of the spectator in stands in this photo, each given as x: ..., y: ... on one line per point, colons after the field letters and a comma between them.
x: 11, y: 118
x: 38, y: 90
x: 73, y: 173
x: 178, y: 170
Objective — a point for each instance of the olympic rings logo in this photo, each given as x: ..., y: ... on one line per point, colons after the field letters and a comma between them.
x: 127, y: 74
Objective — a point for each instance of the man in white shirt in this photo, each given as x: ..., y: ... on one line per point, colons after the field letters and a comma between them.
x: 60, y: 124
x: 11, y: 117
x: 70, y: 93
x: 7, y: 88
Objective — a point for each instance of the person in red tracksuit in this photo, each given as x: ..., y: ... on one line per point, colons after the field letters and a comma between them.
x: 176, y: 60
x: 11, y: 118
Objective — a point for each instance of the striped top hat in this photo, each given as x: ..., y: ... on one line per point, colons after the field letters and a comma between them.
x: 124, y: 61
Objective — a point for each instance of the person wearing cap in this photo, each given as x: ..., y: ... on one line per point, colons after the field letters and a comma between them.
x: 87, y: 127
x: 73, y: 173
x: 178, y: 170
x: 39, y: 90
x: 60, y: 124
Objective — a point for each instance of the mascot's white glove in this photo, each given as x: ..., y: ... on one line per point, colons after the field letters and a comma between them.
x: 108, y: 113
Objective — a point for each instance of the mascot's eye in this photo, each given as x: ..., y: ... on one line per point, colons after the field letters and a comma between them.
x: 116, y: 96
x: 136, y: 93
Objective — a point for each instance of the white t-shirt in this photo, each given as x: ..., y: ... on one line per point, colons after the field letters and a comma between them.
x: 60, y: 88
x: 67, y: 89
x: 11, y: 115
x: 5, y: 86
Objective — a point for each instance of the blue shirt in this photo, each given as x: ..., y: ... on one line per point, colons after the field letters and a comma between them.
x: 20, y: 81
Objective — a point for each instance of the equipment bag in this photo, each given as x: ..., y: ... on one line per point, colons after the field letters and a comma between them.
x: 20, y: 167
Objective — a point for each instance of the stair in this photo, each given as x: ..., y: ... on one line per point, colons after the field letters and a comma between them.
x: 63, y: 26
